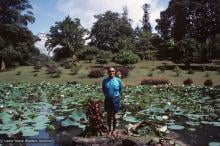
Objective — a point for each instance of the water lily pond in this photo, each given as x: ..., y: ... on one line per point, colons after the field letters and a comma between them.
x: 45, y: 111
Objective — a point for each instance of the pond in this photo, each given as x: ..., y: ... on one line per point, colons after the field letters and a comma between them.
x: 50, y: 114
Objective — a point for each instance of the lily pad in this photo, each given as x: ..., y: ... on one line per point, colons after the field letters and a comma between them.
x: 176, y: 127
x: 69, y: 122
x: 29, y: 131
x: 76, y: 116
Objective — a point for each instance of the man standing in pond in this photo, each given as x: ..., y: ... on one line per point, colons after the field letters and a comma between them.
x: 111, y: 87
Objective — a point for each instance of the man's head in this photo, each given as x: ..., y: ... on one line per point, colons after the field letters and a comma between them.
x: 111, y: 72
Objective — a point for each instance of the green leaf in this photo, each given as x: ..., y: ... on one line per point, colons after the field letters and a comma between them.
x: 29, y: 131
x: 76, y: 116
x: 69, y: 122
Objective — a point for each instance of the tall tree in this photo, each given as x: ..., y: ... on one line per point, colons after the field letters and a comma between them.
x: 146, y: 19
x: 16, y: 41
x: 198, y: 20
x: 111, y: 31
x: 66, y: 38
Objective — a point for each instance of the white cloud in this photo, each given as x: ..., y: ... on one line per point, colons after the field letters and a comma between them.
x: 86, y: 9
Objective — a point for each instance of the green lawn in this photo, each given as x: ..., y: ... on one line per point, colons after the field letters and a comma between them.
x: 141, y: 71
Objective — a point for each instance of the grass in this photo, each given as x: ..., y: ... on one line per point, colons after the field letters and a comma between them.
x: 141, y: 71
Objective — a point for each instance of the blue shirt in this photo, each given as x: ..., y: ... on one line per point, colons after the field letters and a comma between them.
x: 111, y: 87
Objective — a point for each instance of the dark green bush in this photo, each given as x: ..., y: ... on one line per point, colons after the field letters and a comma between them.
x: 190, y: 71
x: 74, y: 69
x: 126, y: 57
x: 103, y: 57
x: 38, y: 65
x: 162, y: 69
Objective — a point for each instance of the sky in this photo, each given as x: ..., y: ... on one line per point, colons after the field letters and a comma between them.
x: 47, y: 12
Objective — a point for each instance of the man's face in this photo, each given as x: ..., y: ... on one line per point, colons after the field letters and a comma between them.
x: 111, y: 72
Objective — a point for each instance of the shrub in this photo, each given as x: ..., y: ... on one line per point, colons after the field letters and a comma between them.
x: 74, y: 69
x: 126, y: 57
x: 177, y: 71
x: 18, y: 73
x: 103, y: 57
x: 203, y: 68
x: 188, y: 82
x: 190, y: 71
x: 95, y: 118
x: 150, y: 74
x: 208, y: 83
x: 51, y: 68
x: 67, y: 63
x: 154, y: 81
x: 162, y: 69
x: 207, y: 75
x: 96, y: 73
x: 124, y: 71
x: 37, y: 66
x: 57, y: 73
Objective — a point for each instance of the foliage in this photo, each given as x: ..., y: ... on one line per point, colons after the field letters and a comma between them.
x: 146, y: 20
x: 154, y: 81
x: 177, y: 70
x: 162, y: 69
x: 16, y: 41
x: 207, y: 75
x: 112, y: 31
x: 198, y: 20
x: 188, y: 81
x: 126, y: 57
x: 124, y: 71
x: 51, y: 68
x: 74, y: 69
x: 103, y: 57
x: 89, y: 53
x: 67, y: 63
x: 66, y: 38
x: 143, y: 46
x: 27, y: 108
x: 208, y: 82
x: 187, y: 51
x: 190, y: 71
x: 37, y: 66
x: 96, y: 73
x: 95, y: 118
x: 54, y: 70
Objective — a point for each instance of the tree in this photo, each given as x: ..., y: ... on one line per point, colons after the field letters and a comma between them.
x: 145, y: 21
x: 143, y: 35
x: 144, y: 48
x: 68, y: 34
x: 111, y: 31
x: 198, y: 20
x: 16, y: 41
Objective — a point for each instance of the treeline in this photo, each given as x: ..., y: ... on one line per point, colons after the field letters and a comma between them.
x: 188, y: 31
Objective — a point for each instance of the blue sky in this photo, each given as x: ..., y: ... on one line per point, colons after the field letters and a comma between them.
x: 47, y: 12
